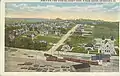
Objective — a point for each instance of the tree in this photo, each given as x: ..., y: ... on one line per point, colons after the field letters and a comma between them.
x: 63, y: 30
x: 40, y: 45
x: 23, y: 42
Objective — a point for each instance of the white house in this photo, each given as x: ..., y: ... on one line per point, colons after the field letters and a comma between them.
x: 66, y: 48
x: 11, y: 36
x: 97, y: 42
x: 81, y: 27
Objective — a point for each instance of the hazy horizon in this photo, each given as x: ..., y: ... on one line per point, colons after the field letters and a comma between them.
x: 60, y: 18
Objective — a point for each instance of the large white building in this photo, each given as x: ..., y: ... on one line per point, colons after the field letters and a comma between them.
x: 107, y: 46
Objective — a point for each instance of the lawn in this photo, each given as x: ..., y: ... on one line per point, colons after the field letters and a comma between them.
x: 48, y: 38
x: 75, y: 40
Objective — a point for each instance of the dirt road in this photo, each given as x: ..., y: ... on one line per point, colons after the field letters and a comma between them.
x: 51, y: 51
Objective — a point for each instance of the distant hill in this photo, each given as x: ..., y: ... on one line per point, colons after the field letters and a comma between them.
x: 27, y: 19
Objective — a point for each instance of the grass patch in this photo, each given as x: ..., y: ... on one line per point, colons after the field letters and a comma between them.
x: 79, y: 50
x: 75, y: 40
x: 47, y: 38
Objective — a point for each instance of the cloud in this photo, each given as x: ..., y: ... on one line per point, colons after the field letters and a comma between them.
x: 73, y: 8
x: 116, y: 8
x: 19, y: 5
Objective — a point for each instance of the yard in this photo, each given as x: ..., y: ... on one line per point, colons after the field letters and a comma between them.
x: 49, y: 39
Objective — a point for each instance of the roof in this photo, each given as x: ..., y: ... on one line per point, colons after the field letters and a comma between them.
x: 100, y: 56
x: 103, y: 38
x: 106, y: 41
x: 83, y: 65
x: 89, y: 45
x: 112, y: 38
x: 105, y: 55
x: 43, y: 41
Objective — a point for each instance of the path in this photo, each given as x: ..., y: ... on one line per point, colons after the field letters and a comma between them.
x: 60, y: 42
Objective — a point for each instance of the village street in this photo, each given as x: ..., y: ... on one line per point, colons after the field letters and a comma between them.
x: 63, y: 38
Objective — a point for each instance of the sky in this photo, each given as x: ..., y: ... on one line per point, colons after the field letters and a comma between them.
x: 95, y: 11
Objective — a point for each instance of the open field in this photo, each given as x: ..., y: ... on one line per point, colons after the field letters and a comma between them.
x: 13, y: 59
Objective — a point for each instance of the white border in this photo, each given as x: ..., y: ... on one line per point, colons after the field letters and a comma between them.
x: 2, y: 14
x: 49, y: 1
x: 2, y: 73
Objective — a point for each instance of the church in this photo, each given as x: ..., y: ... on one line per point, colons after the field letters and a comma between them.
x: 107, y: 46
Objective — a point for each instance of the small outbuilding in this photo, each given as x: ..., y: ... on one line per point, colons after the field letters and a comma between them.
x: 89, y: 46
